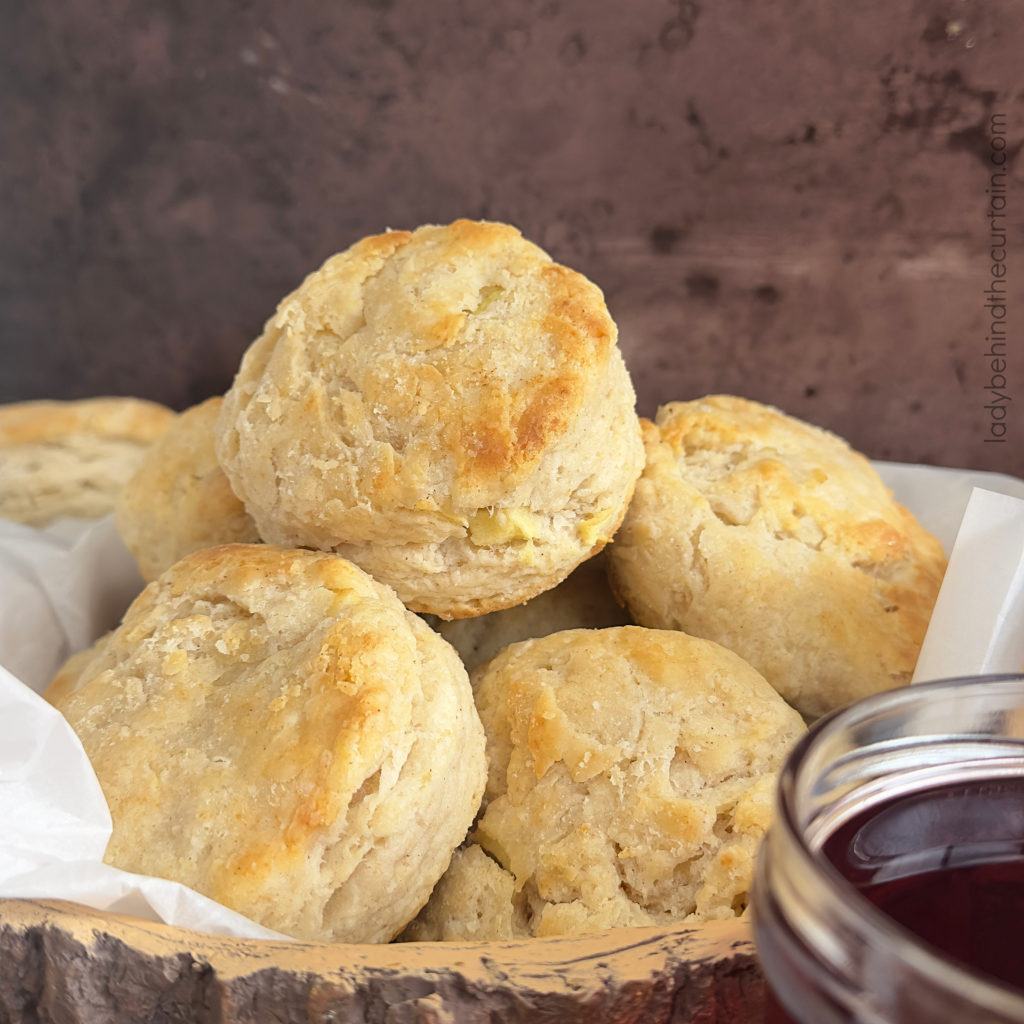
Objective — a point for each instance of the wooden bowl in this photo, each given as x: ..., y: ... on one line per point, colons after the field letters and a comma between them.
x: 67, y: 963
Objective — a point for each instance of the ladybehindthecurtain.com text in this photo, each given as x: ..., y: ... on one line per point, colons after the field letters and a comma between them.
x: 996, y: 339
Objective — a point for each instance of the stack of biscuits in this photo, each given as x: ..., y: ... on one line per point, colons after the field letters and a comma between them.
x: 442, y: 642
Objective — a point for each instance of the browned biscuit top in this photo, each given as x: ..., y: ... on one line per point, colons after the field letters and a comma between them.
x: 113, y: 417
x: 272, y: 728
x: 428, y: 402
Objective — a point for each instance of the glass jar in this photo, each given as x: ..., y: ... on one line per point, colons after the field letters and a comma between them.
x: 923, y: 779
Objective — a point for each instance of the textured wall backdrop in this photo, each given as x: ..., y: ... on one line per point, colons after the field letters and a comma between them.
x: 786, y: 200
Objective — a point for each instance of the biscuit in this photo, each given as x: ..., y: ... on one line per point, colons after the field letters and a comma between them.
x: 71, y: 458
x: 447, y: 408
x: 70, y: 675
x: 475, y: 901
x: 583, y: 600
x: 631, y: 775
x: 179, y: 499
x: 272, y: 728
x: 777, y: 540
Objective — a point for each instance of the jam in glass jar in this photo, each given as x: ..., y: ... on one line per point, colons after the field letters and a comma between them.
x: 890, y: 887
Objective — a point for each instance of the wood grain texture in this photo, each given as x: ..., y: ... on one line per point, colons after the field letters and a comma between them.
x: 68, y: 964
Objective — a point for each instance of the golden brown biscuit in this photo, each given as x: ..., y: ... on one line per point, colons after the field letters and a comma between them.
x: 69, y: 675
x: 447, y: 408
x: 71, y: 458
x: 775, y: 539
x: 272, y: 728
x: 583, y: 600
x: 630, y: 780
x: 179, y: 499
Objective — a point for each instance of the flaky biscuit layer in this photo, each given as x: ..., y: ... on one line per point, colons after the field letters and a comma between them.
x: 630, y: 779
x: 777, y: 540
x: 447, y: 408
x: 583, y: 600
x: 272, y: 728
x: 179, y: 500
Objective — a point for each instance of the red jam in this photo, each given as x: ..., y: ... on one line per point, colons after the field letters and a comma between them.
x: 947, y: 864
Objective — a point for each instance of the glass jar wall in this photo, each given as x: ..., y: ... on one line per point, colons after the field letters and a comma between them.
x: 890, y: 888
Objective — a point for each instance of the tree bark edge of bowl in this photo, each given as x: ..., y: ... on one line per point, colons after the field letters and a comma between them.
x: 68, y: 963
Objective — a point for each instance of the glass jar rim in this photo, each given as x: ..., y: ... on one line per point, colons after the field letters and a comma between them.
x: 877, y: 927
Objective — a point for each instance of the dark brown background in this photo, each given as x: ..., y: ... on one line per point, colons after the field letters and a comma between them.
x: 784, y: 200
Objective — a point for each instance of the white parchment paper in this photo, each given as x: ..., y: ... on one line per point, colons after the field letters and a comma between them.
x: 977, y: 626
x: 62, y: 587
